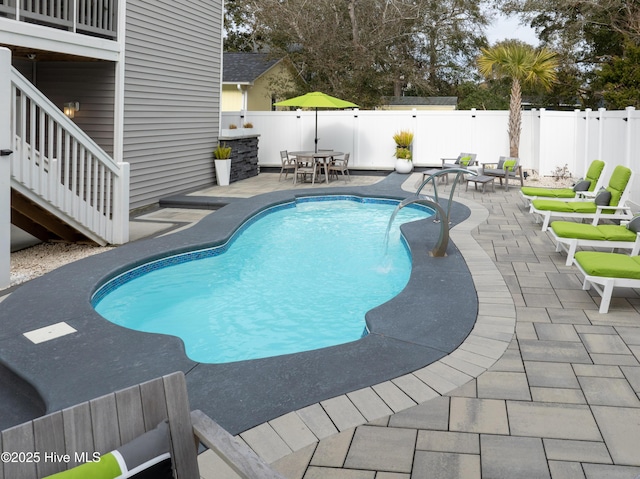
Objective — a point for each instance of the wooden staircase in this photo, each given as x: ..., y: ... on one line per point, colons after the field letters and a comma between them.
x: 64, y: 187
x: 41, y: 223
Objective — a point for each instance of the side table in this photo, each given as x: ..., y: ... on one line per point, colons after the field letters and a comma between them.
x: 483, y: 180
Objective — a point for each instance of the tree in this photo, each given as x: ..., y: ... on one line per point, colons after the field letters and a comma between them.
x: 357, y: 49
x: 491, y: 95
x: 587, y: 33
x: 449, y: 36
x: 364, y: 50
x: 237, y: 36
x: 620, y: 79
x: 522, y: 64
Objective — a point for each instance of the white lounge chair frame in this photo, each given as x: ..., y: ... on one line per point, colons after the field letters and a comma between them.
x: 622, y: 211
x: 604, y: 286
x: 570, y: 245
x: 580, y: 195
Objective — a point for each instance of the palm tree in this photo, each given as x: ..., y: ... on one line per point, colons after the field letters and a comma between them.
x: 524, y: 65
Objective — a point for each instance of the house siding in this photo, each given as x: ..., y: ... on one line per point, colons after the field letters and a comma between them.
x: 92, y: 84
x: 171, y: 96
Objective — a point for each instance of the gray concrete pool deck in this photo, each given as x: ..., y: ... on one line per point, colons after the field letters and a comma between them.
x: 544, y: 387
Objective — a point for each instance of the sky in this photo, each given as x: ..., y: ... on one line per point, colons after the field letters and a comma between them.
x: 504, y: 28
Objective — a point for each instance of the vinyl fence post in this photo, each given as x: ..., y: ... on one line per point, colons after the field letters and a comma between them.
x: 5, y: 167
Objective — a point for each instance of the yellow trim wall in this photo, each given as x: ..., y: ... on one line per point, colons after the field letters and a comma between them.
x: 259, y: 94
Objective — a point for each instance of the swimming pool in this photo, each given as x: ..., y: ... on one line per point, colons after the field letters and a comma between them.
x: 296, y: 277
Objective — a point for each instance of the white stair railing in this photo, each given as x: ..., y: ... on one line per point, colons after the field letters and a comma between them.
x: 59, y: 167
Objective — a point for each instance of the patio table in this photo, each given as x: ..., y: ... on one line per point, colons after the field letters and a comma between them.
x: 323, y: 155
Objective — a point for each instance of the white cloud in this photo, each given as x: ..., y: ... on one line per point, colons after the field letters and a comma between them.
x: 504, y: 28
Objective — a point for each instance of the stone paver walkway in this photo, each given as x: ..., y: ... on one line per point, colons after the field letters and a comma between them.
x: 544, y: 387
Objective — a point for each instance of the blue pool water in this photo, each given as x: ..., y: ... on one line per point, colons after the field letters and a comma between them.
x: 298, y: 278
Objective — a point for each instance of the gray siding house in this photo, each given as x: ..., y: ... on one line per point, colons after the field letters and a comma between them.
x: 146, y: 75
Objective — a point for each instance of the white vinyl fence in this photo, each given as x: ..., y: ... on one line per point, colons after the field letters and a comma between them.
x: 549, y: 139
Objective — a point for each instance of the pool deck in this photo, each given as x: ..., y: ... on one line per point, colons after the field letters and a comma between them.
x: 544, y: 386
x: 553, y: 395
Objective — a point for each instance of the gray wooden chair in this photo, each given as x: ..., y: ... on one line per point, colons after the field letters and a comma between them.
x: 306, y: 165
x: 288, y: 164
x: 507, y: 168
x: 464, y: 160
x: 106, y: 423
x: 340, y: 165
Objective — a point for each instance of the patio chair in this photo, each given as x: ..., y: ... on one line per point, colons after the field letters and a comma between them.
x: 609, y: 203
x: 593, y: 181
x: 305, y: 166
x: 147, y: 428
x: 569, y: 236
x: 606, y: 271
x: 288, y: 164
x: 506, y: 168
x: 464, y: 160
x: 340, y: 165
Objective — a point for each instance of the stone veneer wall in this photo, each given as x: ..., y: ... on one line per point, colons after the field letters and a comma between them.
x: 244, y: 156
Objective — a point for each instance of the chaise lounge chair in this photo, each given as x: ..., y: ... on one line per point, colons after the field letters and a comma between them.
x: 605, y: 271
x: 569, y: 236
x: 608, y: 204
x: 592, y: 182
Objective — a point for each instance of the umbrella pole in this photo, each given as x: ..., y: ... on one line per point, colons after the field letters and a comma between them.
x: 316, y: 139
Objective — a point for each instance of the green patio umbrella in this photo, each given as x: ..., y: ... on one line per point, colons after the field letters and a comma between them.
x: 316, y: 100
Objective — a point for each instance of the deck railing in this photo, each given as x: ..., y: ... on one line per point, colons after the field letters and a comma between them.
x: 91, y: 17
x: 58, y: 165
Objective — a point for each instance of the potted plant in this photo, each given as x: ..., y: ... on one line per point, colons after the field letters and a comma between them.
x: 222, y: 155
x: 404, y: 156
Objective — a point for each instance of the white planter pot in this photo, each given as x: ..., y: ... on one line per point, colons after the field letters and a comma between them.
x: 404, y: 166
x: 223, y: 172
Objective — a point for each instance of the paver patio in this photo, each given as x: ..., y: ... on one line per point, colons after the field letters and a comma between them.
x: 556, y: 396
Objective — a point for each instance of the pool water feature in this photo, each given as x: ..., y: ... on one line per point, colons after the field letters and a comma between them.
x: 299, y: 277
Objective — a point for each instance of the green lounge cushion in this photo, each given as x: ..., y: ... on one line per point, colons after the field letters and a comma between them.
x: 609, y: 265
x: 583, y: 207
x: 146, y: 457
x: 618, y: 182
x: 106, y: 467
x: 548, y: 192
x: 617, y: 233
x: 594, y: 172
x: 569, y: 229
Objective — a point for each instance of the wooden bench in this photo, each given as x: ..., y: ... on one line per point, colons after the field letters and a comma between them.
x: 106, y: 423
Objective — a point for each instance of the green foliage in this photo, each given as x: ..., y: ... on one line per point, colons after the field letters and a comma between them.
x: 365, y: 50
x: 403, y: 153
x: 238, y: 37
x: 222, y: 152
x: 620, y: 79
x: 403, y: 138
x: 523, y: 65
x: 492, y: 95
x: 588, y: 34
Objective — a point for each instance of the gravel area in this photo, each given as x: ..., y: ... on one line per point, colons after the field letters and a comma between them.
x: 37, y: 260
